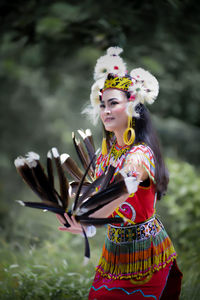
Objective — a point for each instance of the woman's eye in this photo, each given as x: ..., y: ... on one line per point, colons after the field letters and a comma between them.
x: 102, y: 105
x: 114, y: 103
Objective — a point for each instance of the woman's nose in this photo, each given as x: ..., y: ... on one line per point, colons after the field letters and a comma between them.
x: 107, y: 110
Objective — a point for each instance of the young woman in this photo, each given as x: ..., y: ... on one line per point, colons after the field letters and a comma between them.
x: 138, y: 259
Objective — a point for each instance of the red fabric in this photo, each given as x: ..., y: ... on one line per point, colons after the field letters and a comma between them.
x: 173, y: 287
x: 140, y: 207
x: 106, y: 289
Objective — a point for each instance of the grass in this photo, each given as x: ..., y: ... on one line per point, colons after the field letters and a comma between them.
x: 46, y: 269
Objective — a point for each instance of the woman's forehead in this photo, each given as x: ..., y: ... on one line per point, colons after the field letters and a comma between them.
x: 114, y: 93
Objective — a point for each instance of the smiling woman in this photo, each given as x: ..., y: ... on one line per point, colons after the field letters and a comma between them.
x: 138, y: 260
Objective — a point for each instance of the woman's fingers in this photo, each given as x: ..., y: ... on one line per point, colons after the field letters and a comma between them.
x: 68, y: 219
x: 63, y: 220
x: 70, y: 229
x: 75, y: 222
x: 75, y: 227
x: 60, y: 219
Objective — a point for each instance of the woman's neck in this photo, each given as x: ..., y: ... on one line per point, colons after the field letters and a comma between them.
x: 119, y: 138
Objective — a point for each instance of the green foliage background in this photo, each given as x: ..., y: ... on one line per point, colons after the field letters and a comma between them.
x: 48, y: 50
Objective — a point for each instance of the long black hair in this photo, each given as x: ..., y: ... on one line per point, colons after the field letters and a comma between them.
x: 145, y: 133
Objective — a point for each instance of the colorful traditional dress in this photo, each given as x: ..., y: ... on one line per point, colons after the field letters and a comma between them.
x: 137, y: 255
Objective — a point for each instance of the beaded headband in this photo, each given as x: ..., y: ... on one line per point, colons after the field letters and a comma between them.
x: 121, y: 83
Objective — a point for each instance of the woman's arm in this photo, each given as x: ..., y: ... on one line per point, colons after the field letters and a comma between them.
x: 108, y: 209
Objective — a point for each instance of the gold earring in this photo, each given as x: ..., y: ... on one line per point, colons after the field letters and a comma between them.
x: 129, y: 131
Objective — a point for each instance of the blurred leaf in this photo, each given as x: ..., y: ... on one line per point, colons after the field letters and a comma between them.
x: 50, y: 26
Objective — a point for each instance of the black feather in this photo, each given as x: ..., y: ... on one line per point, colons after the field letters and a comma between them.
x: 50, y: 169
x: 71, y: 167
x: 87, y: 246
x: 99, y: 221
x: 109, y: 175
x: 26, y: 173
x: 42, y: 181
x: 112, y: 192
x: 81, y: 184
x: 89, y: 190
x: 89, y: 145
x: 64, y: 185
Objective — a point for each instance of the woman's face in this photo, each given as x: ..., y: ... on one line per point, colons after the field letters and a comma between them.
x: 113, y: 110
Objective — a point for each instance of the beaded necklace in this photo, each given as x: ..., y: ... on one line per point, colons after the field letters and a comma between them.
x: 116, y: 153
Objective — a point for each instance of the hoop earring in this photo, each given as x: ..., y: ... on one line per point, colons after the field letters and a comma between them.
x: 129, y: 141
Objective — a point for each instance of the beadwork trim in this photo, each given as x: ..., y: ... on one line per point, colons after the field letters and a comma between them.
x: 138, y: 232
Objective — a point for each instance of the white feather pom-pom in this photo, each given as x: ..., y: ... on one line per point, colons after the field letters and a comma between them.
x: 110, y: 63
x: 146, y: 87
x: 95, y: 91
x: 114, y: 51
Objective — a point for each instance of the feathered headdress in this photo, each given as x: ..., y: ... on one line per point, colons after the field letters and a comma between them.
x: 110, y: 72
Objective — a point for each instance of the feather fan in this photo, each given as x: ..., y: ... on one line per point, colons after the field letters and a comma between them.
x: 89, y: 195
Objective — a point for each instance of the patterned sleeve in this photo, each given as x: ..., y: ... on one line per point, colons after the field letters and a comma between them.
x: 142, y: 155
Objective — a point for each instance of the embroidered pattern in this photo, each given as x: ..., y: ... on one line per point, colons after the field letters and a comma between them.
x: 126, y: 209
x: 121, y: 83
x: 150, y: 250
x: 122, y: 289
x: 120, y: 235
x: 142, y: 155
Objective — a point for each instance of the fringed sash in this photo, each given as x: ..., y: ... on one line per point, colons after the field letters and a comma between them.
x: 134, y: 252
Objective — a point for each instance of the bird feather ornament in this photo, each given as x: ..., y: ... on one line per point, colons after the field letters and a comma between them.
x: 89, y: 194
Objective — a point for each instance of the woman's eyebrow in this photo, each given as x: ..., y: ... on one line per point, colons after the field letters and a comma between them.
x: 109, y: 100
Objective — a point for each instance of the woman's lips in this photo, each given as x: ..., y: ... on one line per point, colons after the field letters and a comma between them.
x: 108, y: 119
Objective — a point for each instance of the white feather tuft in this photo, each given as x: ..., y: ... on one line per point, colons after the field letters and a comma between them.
x: 131, y: 184
x: 70, y: 191
x: 92, y: 113
x: 86, y: 260
x: 20, y: 202
x: 32, y: 156
x: 88, y: 132
x: 114, y: 51
x: 49, y: 155
x: 82, y: 133
x: 55, y: 152
x: 32, y: 159
x: 64, y: 157
x: 19, y: 161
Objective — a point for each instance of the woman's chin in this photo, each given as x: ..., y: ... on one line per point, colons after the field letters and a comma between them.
x: 108, y: 127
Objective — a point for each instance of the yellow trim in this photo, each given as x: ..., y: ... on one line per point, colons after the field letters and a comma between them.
x: 146, y: 187
x: 149, y: 160
x: 137, y: 276
x: 142, y: 281
x: 121, y: 215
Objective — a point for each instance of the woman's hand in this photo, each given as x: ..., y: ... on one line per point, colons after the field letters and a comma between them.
x: 74, y: 228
